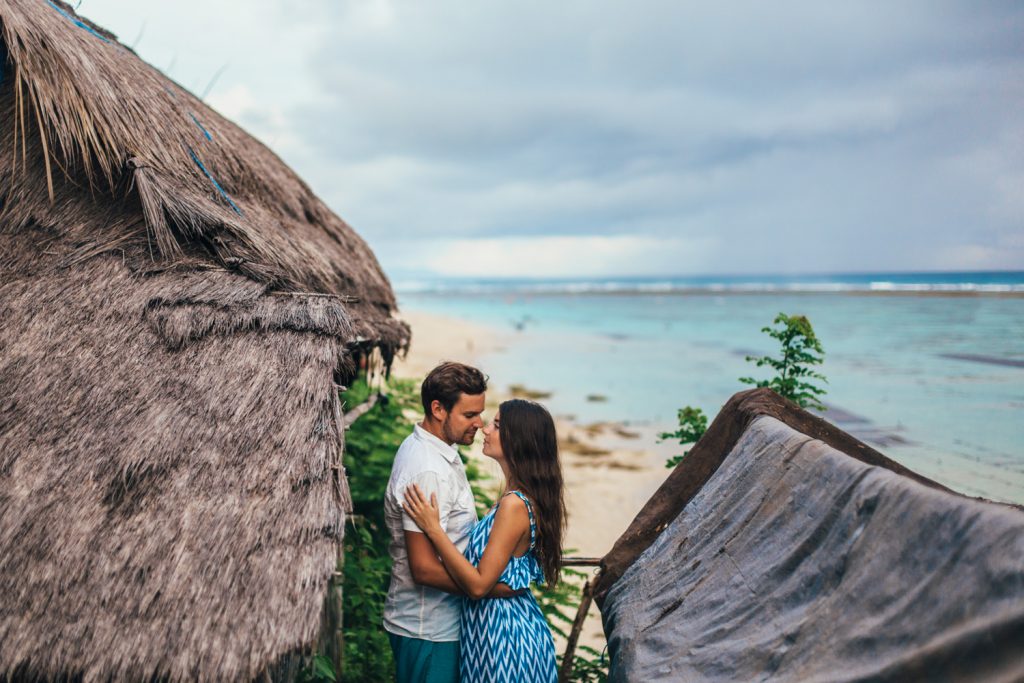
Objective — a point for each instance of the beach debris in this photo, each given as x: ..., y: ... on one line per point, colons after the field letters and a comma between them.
x: 521, y: 391
x: 619, y: 465
x: 617, y: 428
x: 624, y: 433
x: 573, y: 445
x: 610, y: 464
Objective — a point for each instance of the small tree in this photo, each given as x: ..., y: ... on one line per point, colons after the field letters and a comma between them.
x: 692, y: 425
x: 800, y: 350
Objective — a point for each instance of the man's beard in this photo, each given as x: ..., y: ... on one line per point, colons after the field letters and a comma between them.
x: 464, y: 439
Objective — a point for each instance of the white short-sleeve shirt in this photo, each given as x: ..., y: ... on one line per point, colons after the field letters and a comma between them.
x: 413, y: 610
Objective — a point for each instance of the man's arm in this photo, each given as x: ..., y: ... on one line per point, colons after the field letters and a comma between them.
x: 427, y: 569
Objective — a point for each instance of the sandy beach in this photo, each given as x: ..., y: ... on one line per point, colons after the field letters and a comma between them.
x: 610, y: 468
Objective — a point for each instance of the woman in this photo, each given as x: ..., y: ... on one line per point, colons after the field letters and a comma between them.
x: 518, y: 541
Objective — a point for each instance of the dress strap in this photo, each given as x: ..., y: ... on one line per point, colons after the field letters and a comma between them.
x: 529, y: 511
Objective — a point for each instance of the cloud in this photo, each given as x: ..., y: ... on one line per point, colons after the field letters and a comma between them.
x: 549, y: 257
x: 790, y: 136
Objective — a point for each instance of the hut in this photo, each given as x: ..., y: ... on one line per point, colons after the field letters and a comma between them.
x: 783, y: 549
x: 177, y: 311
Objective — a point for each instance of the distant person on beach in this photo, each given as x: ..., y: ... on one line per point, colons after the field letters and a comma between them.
x: 517, y: 543
x: 424, y: 603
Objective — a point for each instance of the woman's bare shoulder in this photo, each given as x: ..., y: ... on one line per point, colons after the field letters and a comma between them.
x: 511, y: 507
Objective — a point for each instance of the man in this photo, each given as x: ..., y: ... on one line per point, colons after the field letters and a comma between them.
x: 422, y: 611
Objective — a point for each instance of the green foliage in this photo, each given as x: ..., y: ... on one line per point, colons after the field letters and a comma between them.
x: 794, y: 377
x: 370, y: 447
x: 367, y: 571
x: 559, y: 605
x: 588, y: 666
x: 692, y: 425
x: 800, y: 350
x: 555, y: 601
x: 371, y: 443
x: 319, y: 670
x: 356, y: 394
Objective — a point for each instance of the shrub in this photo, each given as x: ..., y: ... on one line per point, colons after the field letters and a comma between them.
x: 692, y: 425
x: 793, y: 374
x: 793, y: 378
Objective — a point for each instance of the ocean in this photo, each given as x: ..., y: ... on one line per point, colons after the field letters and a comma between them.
x: 927, y: 368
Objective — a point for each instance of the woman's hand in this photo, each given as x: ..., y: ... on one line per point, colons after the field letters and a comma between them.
x: 511, y: 524
x: 425, y: 513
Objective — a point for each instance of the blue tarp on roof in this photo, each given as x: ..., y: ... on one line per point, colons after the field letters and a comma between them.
x: 798, y: 562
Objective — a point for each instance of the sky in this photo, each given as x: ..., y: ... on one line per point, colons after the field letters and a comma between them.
x: 590, y: 138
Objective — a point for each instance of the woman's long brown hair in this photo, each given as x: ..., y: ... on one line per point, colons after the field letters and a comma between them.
x: 528, y: 442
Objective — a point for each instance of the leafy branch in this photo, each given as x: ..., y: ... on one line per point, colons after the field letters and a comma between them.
x: 692, y: 425
x: 794, y: 375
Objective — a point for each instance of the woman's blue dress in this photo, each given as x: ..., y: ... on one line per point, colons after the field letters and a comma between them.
x: 506, y: 639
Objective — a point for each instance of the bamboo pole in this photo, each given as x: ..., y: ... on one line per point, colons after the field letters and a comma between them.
x: 338, y: 600
x: 357, y: 412
x: 565, y: 673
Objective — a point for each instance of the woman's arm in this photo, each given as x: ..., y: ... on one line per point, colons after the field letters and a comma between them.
x: 427, y: 569
x: 511, y: 522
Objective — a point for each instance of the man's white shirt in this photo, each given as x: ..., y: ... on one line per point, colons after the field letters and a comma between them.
x: 412, y: 610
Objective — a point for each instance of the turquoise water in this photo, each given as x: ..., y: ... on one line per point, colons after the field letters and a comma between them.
x: 895, y: 380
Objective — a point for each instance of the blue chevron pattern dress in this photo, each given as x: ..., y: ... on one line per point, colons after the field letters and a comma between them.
x: 506, y: 639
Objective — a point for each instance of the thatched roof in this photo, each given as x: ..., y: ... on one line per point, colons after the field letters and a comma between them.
x: 781, y: 548
x: 194, y: 188
x: 177, y: 309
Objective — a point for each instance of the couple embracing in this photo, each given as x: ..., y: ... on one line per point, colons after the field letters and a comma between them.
x: 459, y: 606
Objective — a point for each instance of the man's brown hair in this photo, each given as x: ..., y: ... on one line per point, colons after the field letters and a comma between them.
x: 448, y: 381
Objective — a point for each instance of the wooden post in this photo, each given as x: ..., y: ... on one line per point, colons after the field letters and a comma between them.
x: 337, y: 597
x: 565, y: 673
x: 335, y: 637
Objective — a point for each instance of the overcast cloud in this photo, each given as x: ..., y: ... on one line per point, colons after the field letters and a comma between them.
x: 648, y: 138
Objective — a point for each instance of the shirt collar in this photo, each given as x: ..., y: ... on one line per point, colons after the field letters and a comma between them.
x: 447, y: 450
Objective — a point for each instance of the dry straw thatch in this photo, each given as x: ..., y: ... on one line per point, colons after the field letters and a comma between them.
x: 176, y: 308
